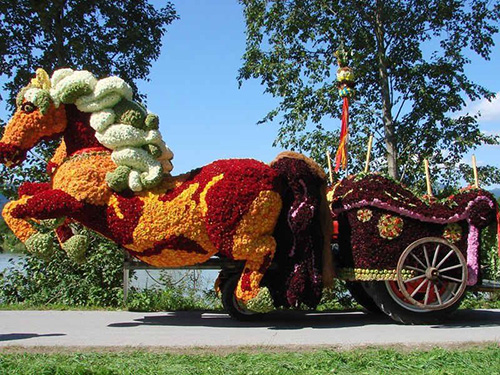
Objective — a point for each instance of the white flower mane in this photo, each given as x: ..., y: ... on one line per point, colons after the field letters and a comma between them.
x: 131, y: 145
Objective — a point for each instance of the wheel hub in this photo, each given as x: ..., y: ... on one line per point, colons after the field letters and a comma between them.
x: 432, y: 274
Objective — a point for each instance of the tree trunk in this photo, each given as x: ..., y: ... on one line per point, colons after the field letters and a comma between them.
x: 59, y: 36
x: 389, y: 127
x: 51, y: 15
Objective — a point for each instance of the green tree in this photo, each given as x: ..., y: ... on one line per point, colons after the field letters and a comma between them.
x: 103, y: 36
x: 60, y: 281
x: 107, y: 38
x: 409, y: 58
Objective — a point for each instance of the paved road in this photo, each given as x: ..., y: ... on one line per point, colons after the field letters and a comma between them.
x: 194, y: 329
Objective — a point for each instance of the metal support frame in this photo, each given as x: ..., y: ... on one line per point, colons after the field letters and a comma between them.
x: 212, y: 264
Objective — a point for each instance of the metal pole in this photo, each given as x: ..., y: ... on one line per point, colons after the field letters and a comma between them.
x: 126, y: 276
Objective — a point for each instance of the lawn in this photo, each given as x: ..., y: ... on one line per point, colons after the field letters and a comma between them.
x: 474, y: 360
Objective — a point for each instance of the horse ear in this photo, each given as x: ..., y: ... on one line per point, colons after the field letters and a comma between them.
x: 41, y: 80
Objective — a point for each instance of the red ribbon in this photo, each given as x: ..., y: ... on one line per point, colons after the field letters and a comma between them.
x: 498, y: 229
x: 341, y: 156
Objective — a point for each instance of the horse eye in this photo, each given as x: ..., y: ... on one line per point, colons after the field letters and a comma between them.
x: 28, y: 107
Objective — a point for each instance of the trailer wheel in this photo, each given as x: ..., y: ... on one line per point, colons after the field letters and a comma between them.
x: 361, y: 296
x: 431, y: 281
x: 231, y: 305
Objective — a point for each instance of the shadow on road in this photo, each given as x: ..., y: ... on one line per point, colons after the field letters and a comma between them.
x: 290, y: 320
x: 472, y: 319
x: 24, y: 336
x: 283, y: 320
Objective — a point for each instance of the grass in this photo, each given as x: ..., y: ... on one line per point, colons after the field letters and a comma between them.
x: 54, y: 306
x: 480, y: 300
x: 477, y: 360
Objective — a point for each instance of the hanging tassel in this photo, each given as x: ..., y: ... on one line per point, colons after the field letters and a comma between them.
x: 345, y: 82
x: 341, y: 156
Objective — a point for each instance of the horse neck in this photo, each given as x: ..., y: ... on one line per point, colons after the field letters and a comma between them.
x: 78, y: 134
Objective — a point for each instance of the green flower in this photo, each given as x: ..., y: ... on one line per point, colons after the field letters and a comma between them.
x: 41, y: 245
x: 262, y: 303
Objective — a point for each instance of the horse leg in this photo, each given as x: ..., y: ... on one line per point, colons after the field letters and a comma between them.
x: 253, y: 242
x: 43, y: 205
x: 48, y: 204
x: 21, y: 228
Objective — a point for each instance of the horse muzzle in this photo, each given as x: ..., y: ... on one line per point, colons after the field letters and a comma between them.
x: 11, y: 155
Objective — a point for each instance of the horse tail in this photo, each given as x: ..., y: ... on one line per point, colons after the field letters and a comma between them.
x: 303, y: 232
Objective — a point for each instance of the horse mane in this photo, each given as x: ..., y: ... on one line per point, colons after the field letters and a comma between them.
x: 121, y: 124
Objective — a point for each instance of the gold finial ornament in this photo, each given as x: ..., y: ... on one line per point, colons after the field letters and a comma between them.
x: 41, y: 80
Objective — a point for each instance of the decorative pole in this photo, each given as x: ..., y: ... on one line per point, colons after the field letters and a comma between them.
x: 345, y: 82
x: 368, y: 153
x: 474, y: 168
x: 428, y: 178
x: 329, y: 159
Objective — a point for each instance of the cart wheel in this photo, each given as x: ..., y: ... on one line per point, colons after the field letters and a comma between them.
x: 361, y: 296
x: 232, y: 306
x: 435, y: 288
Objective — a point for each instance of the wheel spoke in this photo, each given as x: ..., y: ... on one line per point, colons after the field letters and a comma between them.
x: 415, y: 269
x: 434, y: 260
x: 426, y: 257
x: 414, y: 278
x: 451, y: 279
x: 444, y: 259
x: 427, y: 293
x: 437, y: 294
x: 418, y: 288
x: 450, y: 268
x: 418, y: 260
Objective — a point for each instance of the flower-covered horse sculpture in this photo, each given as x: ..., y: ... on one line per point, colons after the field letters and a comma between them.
x: 111, y: 174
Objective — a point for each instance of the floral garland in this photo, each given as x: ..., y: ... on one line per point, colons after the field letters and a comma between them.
x: 390, y: 227
x: 363, y: 274
x: 364, y: 215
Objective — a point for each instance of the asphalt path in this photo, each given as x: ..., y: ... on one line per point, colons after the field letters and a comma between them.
x: 101, y: 329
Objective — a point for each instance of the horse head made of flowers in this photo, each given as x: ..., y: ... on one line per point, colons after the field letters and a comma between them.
x: 117, y: 123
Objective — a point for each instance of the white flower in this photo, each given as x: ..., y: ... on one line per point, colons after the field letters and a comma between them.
x: 59, y: 75
x: 113, y: 84
x: 124, y: 140
x: 135, y: 158
x: 31, y: 94
x: 99, y: 121
x: 134, y: 181
x: 90, y: 103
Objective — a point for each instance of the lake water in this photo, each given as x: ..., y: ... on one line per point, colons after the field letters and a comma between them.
x: 202, y: 280
x: 9, y: 261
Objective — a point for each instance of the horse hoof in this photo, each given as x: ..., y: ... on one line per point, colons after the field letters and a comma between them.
x: 262, y: 303
x: 40, y: 245
x: 76, y: 247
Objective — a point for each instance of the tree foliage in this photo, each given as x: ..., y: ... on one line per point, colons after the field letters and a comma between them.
x: 60, y: 281
x: 103, y: 36
x: 410, y: 60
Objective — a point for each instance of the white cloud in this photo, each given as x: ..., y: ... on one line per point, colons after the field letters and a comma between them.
x: 489, y: 110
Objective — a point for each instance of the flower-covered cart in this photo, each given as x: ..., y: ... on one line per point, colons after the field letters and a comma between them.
x: 409, y: 257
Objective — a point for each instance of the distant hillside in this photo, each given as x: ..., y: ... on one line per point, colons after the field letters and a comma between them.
x: 3, y: 200
x: 495, y: 192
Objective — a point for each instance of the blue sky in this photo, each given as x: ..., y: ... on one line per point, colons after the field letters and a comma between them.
x: 203, y: 114
x: 193, y: 88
